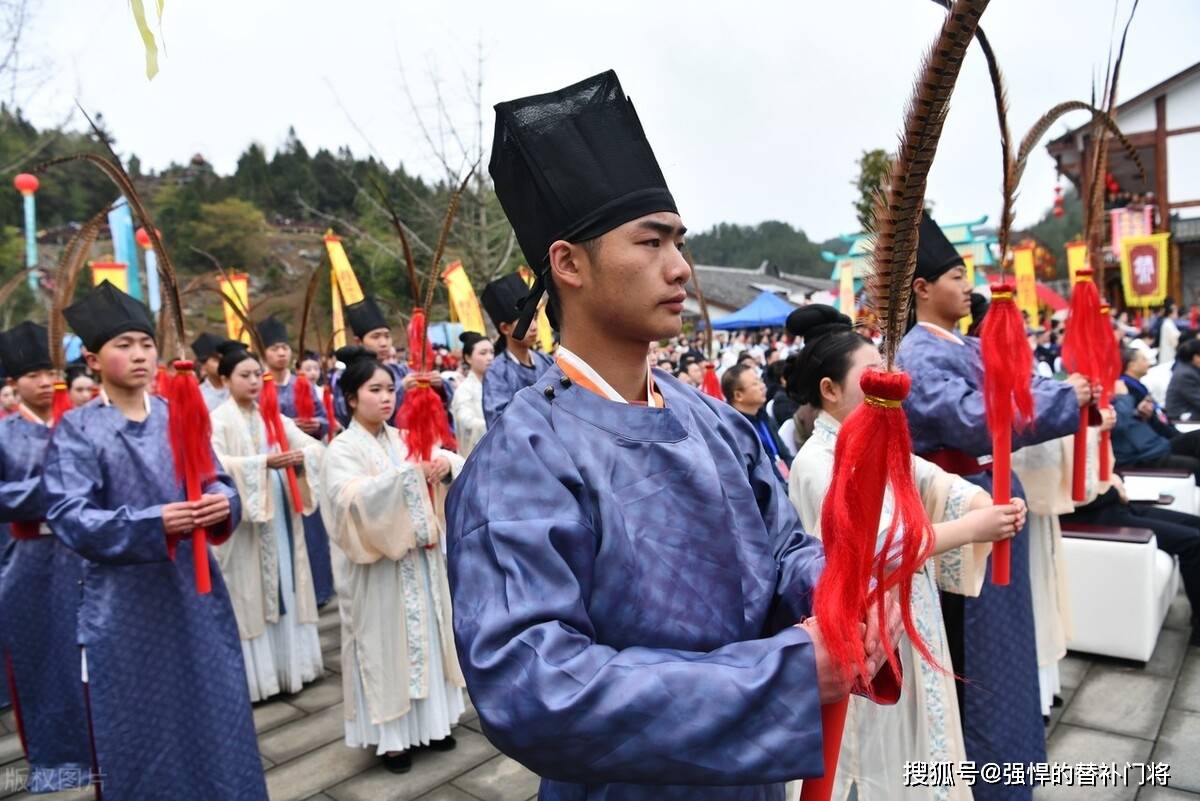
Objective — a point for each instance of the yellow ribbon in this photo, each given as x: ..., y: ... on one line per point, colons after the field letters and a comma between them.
x: 882, y: 403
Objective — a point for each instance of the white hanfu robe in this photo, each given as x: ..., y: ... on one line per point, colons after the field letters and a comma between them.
x: 467, y: 408
x: 265, y: 562
x: 924, y: 726
x: 402, y: 685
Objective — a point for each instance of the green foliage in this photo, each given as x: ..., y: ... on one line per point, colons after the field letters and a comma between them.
x: 234, y: 231
x: 731, y: 245
x: 873, y: 168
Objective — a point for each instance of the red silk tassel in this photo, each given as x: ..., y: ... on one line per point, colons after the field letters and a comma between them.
x: 422, y: 417
x: 191, y: 445
x: 1081, y: 354
x: 873, y: 454
x: 711, y: 385
x: 268, y: 407
x: 327, y: 402
x: 1007, y: 371
x: 1110, y: 373
x: 62, y: 401
x: 162, y: 382
x: 302, y: 394
x: 1194, y: 317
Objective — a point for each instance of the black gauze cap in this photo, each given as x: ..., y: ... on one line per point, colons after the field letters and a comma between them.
x: 272, y: 331
x: 107, y: 312
x: 364, y: 317
x: 25, y: 348
x: 502, y: 298
x: 572, y: 165
x: 935, y: 254
x: 815, y: 320
x: 205, y: 346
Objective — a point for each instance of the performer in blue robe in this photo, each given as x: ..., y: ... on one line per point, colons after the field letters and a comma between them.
x: 278, y: 359
x: 991, y: 637
x: 517, y: 365
x: 39, y: 582
x: 626, y: 570
x: 170, y: 708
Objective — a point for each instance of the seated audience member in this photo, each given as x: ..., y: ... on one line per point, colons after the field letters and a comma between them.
x: 747, y: 393
x: 1183, y: 392
x: 1139, y: 439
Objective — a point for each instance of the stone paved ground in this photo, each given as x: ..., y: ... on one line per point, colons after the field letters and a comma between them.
x: 1113, y: 711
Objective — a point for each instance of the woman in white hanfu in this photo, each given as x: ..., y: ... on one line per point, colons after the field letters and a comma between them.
x: 265, y: 562
x: 401, y: 682
x: 467, y: 404
x: 924, y: 726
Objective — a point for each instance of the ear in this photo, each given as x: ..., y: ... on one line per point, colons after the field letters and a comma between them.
x: 93, y: 361
x: 567, y: 264
x: 830, y: 391
x: 921, y: 289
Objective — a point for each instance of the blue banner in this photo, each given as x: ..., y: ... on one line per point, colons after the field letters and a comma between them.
x: 31, y: 239
x: 120, y: 222
x: 155, y: 297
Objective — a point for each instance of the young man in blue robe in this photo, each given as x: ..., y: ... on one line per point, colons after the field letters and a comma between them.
x: 170, y: 708
x: 627, y: 572
x: 277, y: 358
x: 39, y: 581
x: 517, y: 365
x: 991, y: 637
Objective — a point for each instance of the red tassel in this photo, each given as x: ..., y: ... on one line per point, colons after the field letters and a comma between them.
x: 62, y: 401
x: 191, y: 444
x: 1081, y: 353
x: 420, y: 351
x: 327, y: 402
x: 1194, y: 317
x: 162, y: 382
x: 268, y: 407
x: 423, y: 422
x: 302, y: 394
x: 1007, y: 371
x: 873, y: 453
x: 711, y: 385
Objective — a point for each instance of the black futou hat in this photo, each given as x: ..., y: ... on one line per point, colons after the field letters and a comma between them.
x: 364, y: 317
x: 572, y: 164
x: 502, y: 298
x: 107, y: 312
x: 25, y: 348
x: 272, y: 331
x: 935, y: 254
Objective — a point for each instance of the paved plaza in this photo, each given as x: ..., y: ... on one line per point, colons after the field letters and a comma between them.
x: 1113, y: 712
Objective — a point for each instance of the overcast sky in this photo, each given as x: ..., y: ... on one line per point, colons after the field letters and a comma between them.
x: 756, y: 110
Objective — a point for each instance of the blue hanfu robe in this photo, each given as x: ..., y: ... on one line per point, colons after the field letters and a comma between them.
x: 506, y: 377
x: 39, y: 593
x: 170, y: 708
x: 625, y: 582
x: 316, y: 539
x: 1001, y: 708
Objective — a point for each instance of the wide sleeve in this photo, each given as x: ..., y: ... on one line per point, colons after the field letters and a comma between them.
x: 314, y: 453
x: 21, y: 498
x: 497, y: 394
x: 572, y: 709
x: 321, y: 418
x: 73, y: 483
x: 1056, y: 413
x: 372, y: 517
x: 250, y: 474
x: 948, y: 497
x: 222, y: 484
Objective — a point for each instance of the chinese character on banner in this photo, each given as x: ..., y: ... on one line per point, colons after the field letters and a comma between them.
x: 1144, y: 262
x: 846, y: 287
x: 1133, y: 221
x: 1076, y: 258
x: 1026, y: 282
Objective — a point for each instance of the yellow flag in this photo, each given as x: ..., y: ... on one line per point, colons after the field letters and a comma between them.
x: 1076, y: 258
x: 343, y: 273
x: 464, y: 306
x: 1026, y: 283
x: 115, y: 272
x: 235, y: 289
x: 846, y: 287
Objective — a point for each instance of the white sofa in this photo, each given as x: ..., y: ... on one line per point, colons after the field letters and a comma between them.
x: 1151, y: 482
x: 1121, y: 586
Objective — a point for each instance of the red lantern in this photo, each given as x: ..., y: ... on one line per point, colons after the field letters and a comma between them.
x: 26, y: 184
x: 143, y: 238
x: 1058, y: 202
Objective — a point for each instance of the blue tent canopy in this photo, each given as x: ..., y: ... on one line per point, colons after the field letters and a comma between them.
x: 765, y: 311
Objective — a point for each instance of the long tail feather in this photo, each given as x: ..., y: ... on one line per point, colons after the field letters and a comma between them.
x: 1039, y: 129
x: 310, y: 294
x: 409, y: 261
x: 66, y: 275
x: 11, y: 285
x: 899, y: 207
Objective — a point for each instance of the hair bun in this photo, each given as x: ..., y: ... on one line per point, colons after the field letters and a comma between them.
x: 816, y: 319
x: 353, y: 353
x: 231, y: 346
x: 469, y: 338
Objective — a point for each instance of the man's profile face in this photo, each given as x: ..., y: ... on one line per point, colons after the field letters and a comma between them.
x: 633, y: 278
